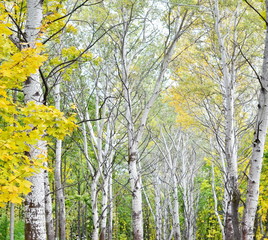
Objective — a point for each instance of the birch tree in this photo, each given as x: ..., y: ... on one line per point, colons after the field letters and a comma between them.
x: 34, y: 205
x: 180, y: 164
x: 222, y: 117
x: 98, y: 115
x: 38, y: 208
x: 60, y: 199
x: 258, y: 148
x: 169, y: 152
x: 230, y: 142
x: 127, y: 51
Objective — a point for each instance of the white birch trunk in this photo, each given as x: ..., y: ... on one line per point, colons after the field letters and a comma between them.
x: 216, y: 202
x: 60, y: 199
x: 134, y: 175
x: 158, y: 219
x: 104, y: 208
x: 95, y: 214
x: 188, y: 175
x: 258, y: 149
x: 232, y: 230
x: 172, y: 163
x: 94, y: 190
x: 35, y: 220
x: 32, y: 87
x: 135, y: 184
x: 166, y: 227
x: 35, y: 223
x: 95, y: 178
x: 176, y: 215
x: 111, y: 207
x: 48, y: 208
x: 135, y: 133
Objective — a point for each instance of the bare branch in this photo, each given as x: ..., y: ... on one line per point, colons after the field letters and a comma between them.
x: 257, y: 12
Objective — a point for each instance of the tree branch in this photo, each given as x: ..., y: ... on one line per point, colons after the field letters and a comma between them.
x: 256, y: 12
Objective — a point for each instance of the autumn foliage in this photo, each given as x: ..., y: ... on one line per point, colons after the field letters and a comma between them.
x: 22, y: 124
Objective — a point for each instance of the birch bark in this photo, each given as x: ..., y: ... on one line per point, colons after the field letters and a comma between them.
x: 158, y: 219
x: 231, y: 225
x: 35, y: 224
x: 135, y: 131
x: 257, y: 149
x: 107, y: 174
x: 188, y: 171
x: 171, y: 155
x: 48, y: 208
x: 60, y: 200
x: 35, y: 221
x: 102, y: 169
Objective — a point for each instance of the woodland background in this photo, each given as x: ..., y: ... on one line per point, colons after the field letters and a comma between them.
x: 130, y: 119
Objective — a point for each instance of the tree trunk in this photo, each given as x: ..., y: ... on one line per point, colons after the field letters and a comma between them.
x: 158, y: 219
x: 135, y: 185
x: 111, y: 206
x: 166, y: 226
x: 35, y: 221
x: 35, y: 224
x: 258, y: 149
x: 48, y: 209
x: 95, y: 214
x: 12, y: 220
x: 176, y: 219
x: 188, y: 167
x: 216, y: 202
x: 104, y: 207
x: 60, y: 200
x: 232, y: 230
x: 255, y: 167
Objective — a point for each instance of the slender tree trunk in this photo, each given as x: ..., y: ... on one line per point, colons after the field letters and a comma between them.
x: 176, y: 216
x: 134, y: 175
x: 258, y: 149
x: 12, y: 221
x: 107, y: 190
x: 166, y: 226
x: 135, y: 183
x: 95, y: 214
x: 158, y: 219
x: 104, y: 208
x: 188, y: 178
x: 232, y: 230
x: 60, y: 199
x: 135, y: 133
x: 216, y: 202
x: 48, y: 209
x: 95, y: 179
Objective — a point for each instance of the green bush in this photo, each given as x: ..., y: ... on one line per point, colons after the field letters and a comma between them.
x: 3, y: 227
x: 19, y: 230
